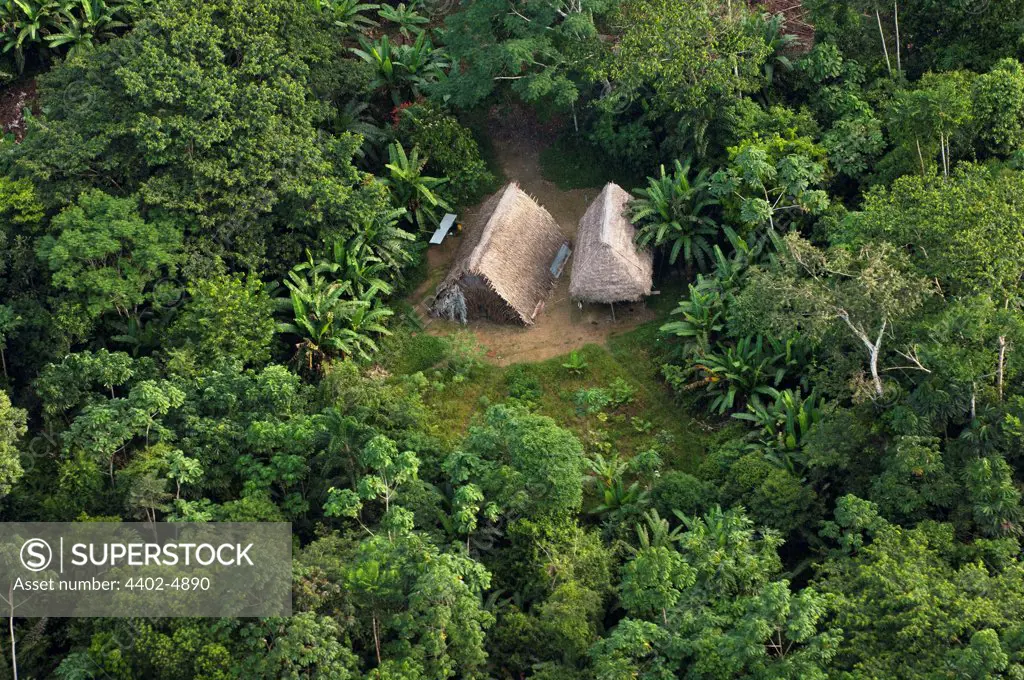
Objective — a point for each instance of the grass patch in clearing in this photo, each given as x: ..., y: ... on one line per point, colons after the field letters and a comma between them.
x: 454, y: 404
x: 644, y: 416
x: 631, y: 428
x: 408, y: 352
x: 573, y: 163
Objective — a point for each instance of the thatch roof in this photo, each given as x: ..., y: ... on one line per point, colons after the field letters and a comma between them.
x: 607, y: 266
x: 511, y: 246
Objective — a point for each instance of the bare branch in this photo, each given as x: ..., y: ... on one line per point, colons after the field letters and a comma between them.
x: 912, y: 357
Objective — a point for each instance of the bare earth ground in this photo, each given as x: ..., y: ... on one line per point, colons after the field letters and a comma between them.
x: 797, y: 21
x: 13, y: 100
x: 562, y: 326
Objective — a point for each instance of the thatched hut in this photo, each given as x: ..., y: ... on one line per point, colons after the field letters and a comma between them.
x: 506, y: 265
x: 607, y: 266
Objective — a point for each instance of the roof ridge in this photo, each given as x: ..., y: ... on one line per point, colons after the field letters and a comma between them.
x: 511, y: 192
x: 606, y: 208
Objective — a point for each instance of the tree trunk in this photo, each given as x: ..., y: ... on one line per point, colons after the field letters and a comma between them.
x: 1002, y: 363
x: 875, y: 377
x: 14, y: 651
x: 874, y: 349
x: 896, y: 20
x: 942, y: 148
x: 885, y: 48
x: 376, y: 640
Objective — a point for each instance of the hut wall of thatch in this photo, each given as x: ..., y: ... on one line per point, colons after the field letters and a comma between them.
x: 482, y: 302
x: 502, y: 266
x: 607, y: 266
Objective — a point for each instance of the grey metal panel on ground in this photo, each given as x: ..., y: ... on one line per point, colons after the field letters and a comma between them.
x: 442, y: 230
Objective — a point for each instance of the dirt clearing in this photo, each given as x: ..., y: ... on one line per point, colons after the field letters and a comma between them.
x: 562, y: 326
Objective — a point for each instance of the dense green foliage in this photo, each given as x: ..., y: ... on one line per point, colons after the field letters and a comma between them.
x: 811, y: 468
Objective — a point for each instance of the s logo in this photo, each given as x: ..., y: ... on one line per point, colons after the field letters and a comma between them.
x: 36, y: 554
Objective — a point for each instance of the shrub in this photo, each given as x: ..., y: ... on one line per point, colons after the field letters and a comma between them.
x: 522, y: 384
x: 683, y: 492
x: 591, y: 401
x: 576, y: 364
x: 450, y: 146
x: 227, y: 317
x: 621, y: 392
x: 465, y: 355
x: 771, y: 494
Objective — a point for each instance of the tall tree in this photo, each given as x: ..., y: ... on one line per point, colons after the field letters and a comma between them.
x: 714, y: 607
x: 107, y: 256
x: 864, y: 293
x: 948, y: 607
x: 12, y: 428
x: 228, y: 145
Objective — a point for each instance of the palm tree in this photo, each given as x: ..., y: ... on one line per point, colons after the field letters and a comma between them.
x: 413, y: 190
x: 674, y: 211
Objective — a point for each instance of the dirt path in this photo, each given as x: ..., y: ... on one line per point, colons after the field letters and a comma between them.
x: 562, y: 326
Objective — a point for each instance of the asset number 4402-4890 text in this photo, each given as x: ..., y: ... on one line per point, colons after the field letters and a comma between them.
x: 157, y: 583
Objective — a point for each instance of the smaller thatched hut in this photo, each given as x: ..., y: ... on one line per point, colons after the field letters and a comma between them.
x: 607, y: 266
x: 506, y: 265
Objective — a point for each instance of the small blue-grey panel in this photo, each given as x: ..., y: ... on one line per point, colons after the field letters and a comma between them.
x: 560, y: 258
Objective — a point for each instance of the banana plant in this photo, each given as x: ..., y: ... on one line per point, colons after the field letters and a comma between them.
x: 404, y: 70
x: 674, y: 212
x: 654, y: 532
x: 366, y: 321
x: 354, y: 116
x: 702, y: 318
x: 27, y: 20
x: 73, y: 24
x: 327, y: 317
x: 363, y: 270
x: 732, y: 375
x: 82, y: 23
x: 381, y: 236
x: 350, y: 15
x: 772, y: 28
x: 404, y: 16
x: 412, y: 190
x: 784, y: 424
x: 607, y: 475
x: 379, y: 54
x: 421, y: 64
